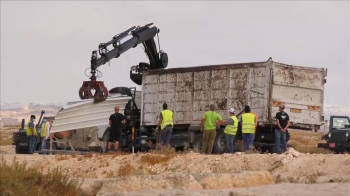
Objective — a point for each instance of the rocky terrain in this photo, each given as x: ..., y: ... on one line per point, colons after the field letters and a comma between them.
x: 191, y: 173
x: 303, y: 170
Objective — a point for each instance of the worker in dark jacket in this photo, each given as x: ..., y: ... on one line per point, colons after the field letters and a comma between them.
x: 116, y: 121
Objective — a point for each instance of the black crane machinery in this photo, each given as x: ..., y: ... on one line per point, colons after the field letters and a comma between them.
x: 141, y: 34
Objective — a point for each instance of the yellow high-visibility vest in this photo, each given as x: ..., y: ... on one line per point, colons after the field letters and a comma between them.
x: 167, y: 119
x: 232, y: 129
x: 248, y: 123
x: 44, y: 130
x: 29, y: 132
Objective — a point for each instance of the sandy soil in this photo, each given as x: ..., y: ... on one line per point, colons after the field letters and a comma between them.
x: 190, y: 173
x: 113, y: 174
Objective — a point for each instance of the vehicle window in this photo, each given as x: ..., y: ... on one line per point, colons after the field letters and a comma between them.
x: 339, y: 123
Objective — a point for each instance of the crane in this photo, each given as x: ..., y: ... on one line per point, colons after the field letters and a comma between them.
x: 140, y: 35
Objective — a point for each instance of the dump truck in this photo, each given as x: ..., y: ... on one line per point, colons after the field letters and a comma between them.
x: 189, y: 91
x: 261, y: 85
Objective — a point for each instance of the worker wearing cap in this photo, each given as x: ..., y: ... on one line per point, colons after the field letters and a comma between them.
x: 248, y: 122
x: 231, y: 130
x: 282, y: 120
x: 208, y: 127
x: 31, y: 134
x: 44, y: 133
x: 166, y: 124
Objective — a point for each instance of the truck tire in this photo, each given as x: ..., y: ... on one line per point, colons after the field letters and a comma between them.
x: 220, y: 142
x: 197, y: 143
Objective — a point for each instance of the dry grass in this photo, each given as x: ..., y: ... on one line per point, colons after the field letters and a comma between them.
x: 88, y: 155
x: 62, y: 157
x: 16, y: 179
x: 125, y: 169
x: 160, y: 155
x: 156, y: 158
x: 5, y: 140
x: 110, y: 174
x: 163, y: 150
x: 306, y: 142
x: 305, y: 137
x: 80, y: 158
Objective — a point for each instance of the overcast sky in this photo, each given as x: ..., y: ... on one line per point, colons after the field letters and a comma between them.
x: 46, y: 46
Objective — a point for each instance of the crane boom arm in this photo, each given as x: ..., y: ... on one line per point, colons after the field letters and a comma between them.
x: 144, y: 35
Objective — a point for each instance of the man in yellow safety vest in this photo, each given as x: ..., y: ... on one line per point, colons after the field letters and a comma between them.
x: 210, y: 120
x: 248, y: 122
x: 166, y: 124
x: 44, y: 133
x: 31, y: 134
x: 231, y: 130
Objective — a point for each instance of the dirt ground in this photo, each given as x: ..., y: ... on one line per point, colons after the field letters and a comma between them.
x: 190, y: 173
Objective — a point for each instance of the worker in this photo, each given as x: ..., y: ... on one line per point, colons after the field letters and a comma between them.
x: 116, y: 121
x: 248, y: 122
x: 231, y: 130
x: 31, y: 134
x: 256, y: 124
x: 166, y: 124
x: 208, y: 127
x: 44, y: 133
x: 282, y: 120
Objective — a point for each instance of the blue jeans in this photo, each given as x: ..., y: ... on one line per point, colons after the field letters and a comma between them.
x: 43, y: 144
x: 165, y: 136
x: 230, y: 141
x: 32, y: 144
x: 248, y: 139
x: 279, y: 135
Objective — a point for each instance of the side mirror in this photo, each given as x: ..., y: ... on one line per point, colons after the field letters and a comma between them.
x: 347, y: 126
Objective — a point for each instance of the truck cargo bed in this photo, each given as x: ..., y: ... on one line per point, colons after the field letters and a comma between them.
x: 261, y: 85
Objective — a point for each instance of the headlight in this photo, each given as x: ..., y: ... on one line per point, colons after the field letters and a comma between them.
x: 329, y: 134
x: 347, y: 134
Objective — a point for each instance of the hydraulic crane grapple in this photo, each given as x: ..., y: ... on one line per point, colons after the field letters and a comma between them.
x: 140, y: 35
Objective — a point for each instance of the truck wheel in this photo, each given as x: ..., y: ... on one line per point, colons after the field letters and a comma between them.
x: 197, y: 143
x: 220, y: 142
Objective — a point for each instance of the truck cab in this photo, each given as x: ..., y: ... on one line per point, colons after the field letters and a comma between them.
x: 338, y: 137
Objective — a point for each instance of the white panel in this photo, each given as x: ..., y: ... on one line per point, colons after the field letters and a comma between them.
x: 150, y: 98
x: 87, y: 114
x: 183, y: 96
x: 167, y: 87
x: 167, y: 78
x: 298, y: 76
x: 297, y: 95
x: 150, y: 88
x: 150, y: 79
x: 166, y: 97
